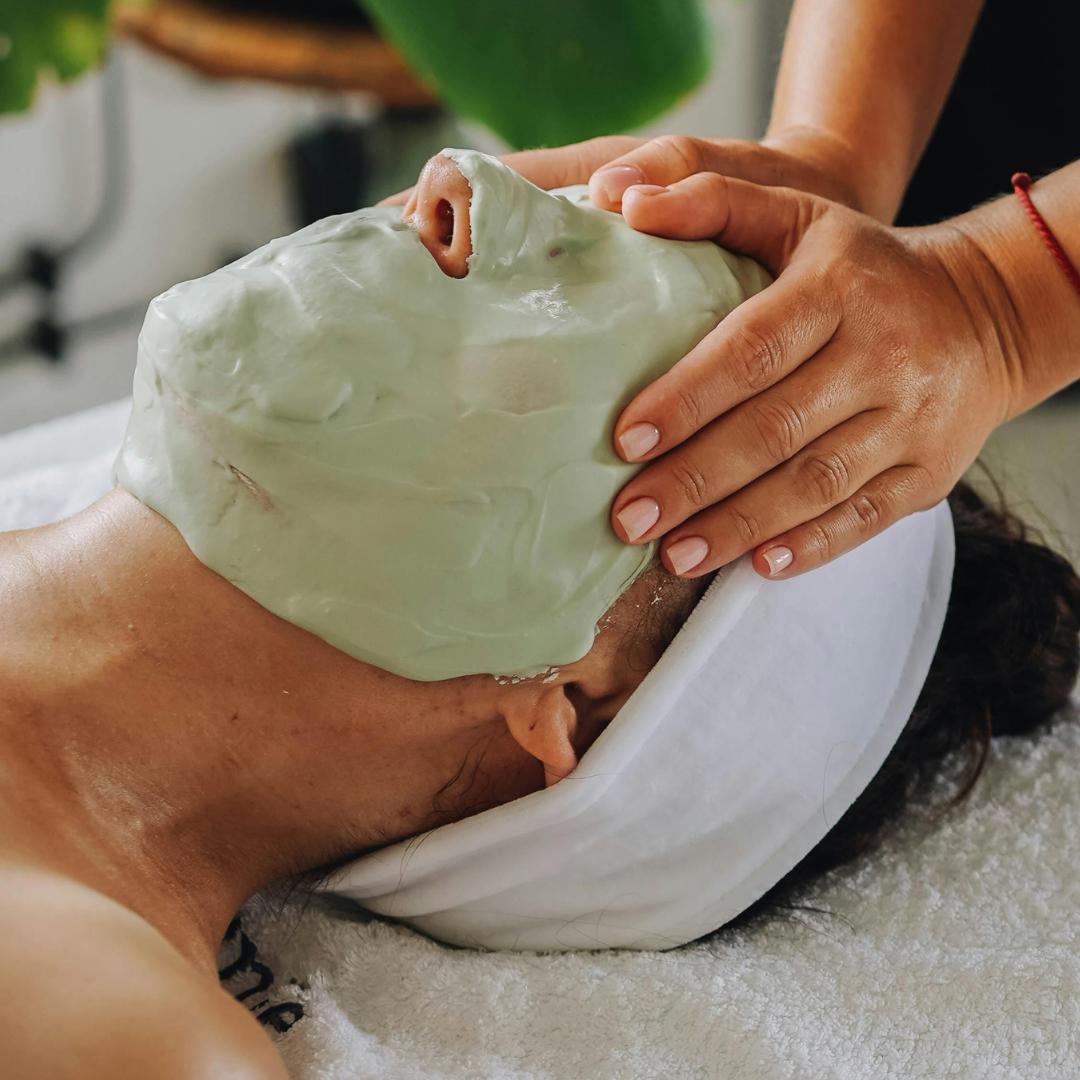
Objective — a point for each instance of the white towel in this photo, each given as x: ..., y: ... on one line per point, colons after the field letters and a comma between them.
x: 951, y: 951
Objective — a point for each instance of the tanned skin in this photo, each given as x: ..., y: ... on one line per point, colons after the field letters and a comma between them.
x: 168, y: 747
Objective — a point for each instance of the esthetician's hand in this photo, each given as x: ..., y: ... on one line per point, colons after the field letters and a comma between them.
x: 856, y: 389
x: 800, y: 158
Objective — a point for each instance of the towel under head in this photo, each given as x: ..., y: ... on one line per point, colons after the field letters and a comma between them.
x: 771, y: 710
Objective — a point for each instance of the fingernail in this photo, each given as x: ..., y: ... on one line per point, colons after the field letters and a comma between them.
x: 638, y: 439
x: 638, y: 517
x: 687, y: 553
x: 615, y: 179
x: 643, y: 189
x: 779, y: 558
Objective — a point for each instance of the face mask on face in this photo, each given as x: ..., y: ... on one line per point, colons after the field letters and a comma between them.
x: 417, y: 468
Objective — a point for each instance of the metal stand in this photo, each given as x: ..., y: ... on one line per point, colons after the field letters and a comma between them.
x: 334, y: 167
x: 42, y: 267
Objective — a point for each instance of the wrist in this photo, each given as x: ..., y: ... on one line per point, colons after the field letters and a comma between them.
x: 840, y: 174
x: 1035, y: 310
x: 989, y: 312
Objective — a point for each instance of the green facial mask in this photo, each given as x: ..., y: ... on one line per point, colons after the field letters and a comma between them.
x: 417, y: 468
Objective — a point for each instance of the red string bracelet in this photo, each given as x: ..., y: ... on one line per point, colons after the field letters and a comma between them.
x: 1021, y: 181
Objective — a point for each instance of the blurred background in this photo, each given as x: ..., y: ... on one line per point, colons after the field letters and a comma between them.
x: 175, y: 171
x: 214, y: 125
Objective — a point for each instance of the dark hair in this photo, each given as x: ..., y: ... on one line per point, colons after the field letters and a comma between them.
x: 1006, y: 665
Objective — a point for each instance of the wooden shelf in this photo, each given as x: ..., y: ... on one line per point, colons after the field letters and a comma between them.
x: 243, y: 44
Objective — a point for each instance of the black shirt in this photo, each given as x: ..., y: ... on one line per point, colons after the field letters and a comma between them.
x: 1013, y: 108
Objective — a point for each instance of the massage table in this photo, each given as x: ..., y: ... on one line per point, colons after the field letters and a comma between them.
x: 952, y: 951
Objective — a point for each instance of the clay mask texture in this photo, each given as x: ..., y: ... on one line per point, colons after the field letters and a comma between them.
x: 417, y: 468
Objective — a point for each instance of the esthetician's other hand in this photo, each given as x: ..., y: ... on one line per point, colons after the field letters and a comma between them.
x: 801, y: 158
x: 855, y: 389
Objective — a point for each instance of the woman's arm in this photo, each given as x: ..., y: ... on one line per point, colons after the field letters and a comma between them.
x: 862, y: 83
x: 1035, y: 312
x: 860, y: 88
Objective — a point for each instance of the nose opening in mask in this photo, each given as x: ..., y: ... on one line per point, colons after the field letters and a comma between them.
x: 439, y: 211
x: 444, y: 215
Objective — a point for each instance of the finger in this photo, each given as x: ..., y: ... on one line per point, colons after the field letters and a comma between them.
x: 659, y: 161
x: 828, y: 471
x: 760, y: 343
x: 399, y: 198
x: 562, y: 166
x: 558, y: 166
x: 738, y: 449
x: 671, y: 158
x: 766, y: 223
x: 893, y: 494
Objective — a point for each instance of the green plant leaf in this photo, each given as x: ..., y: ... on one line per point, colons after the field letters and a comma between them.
x: 544, y: 72
x: 62, y: 38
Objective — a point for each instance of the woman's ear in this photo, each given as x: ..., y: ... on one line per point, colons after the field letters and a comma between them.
x: 543, y: 722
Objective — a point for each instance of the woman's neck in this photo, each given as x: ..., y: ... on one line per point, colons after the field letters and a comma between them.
x: 169, y: 742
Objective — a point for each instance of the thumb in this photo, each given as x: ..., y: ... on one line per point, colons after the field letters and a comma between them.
x: 765, y: 223
x: 562, y: 166
x: 558, y: 166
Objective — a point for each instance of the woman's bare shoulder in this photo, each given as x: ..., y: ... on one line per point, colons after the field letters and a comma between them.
x: 96, y: 992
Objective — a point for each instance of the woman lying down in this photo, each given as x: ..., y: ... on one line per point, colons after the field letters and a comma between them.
x: 357, y: 584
